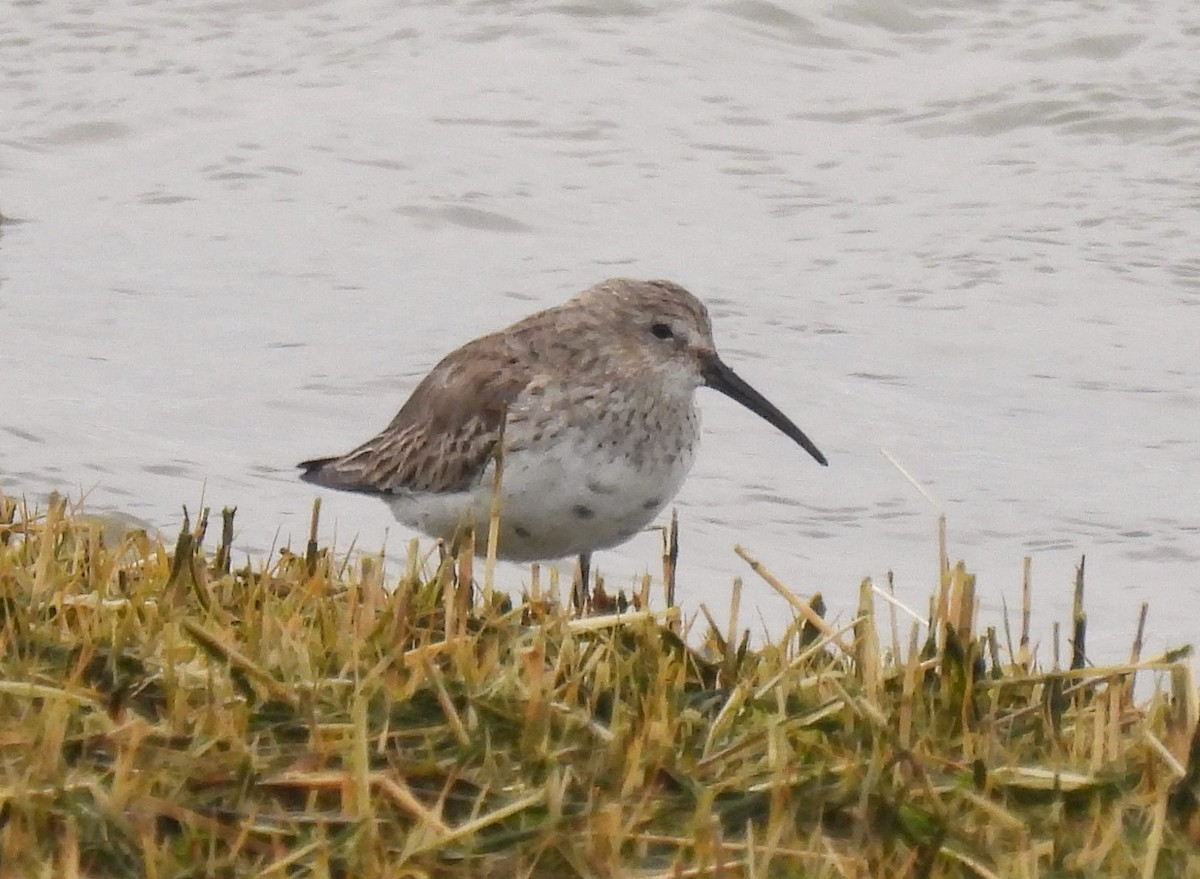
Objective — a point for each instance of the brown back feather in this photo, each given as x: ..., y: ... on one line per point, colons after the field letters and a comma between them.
x: 442, y: 437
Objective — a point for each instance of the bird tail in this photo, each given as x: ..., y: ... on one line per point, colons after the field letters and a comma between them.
x: 319, y: 471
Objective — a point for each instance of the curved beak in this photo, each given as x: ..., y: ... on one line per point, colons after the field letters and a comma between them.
x: 721, y: 378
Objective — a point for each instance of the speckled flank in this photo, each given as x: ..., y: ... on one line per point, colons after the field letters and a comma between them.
x: 594, y: 399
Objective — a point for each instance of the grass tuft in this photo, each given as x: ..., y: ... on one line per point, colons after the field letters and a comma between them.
x: 164, y: 713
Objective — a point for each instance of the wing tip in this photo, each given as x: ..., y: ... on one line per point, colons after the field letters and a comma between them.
x: 314, y: 470
x: 325, y: 473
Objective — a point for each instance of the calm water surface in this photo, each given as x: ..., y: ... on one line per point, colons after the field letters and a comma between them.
x: 237, y: 233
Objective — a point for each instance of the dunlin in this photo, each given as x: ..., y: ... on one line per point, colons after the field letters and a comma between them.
x: 594, y: 400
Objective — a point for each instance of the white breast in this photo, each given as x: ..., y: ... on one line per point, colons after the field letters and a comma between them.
x: 564, y: 497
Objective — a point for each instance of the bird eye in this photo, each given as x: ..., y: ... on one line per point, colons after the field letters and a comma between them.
x: 662, y: 331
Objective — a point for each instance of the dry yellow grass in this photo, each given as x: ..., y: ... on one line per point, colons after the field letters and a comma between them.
x: 163, y: 714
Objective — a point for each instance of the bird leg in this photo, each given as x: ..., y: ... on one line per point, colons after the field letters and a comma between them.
x: 579, y: 597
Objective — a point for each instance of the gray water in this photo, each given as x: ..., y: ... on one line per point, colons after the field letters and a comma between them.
x: 237, y: 234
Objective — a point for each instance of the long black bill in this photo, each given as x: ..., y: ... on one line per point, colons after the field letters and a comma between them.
x: 721, y: 378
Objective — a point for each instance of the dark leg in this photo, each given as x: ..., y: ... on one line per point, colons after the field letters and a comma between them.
x: 580, y: 596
